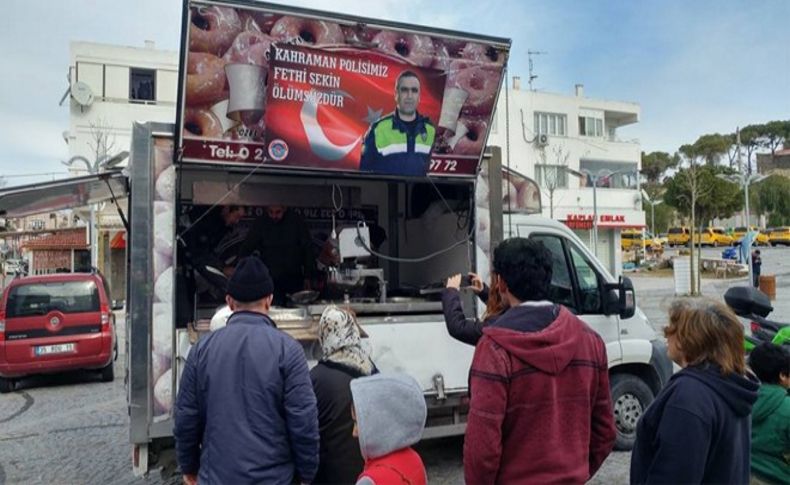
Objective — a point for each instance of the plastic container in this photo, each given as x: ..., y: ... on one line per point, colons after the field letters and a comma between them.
x: 768, y: 285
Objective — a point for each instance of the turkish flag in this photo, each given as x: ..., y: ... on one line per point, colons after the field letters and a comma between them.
x: 321, y: 102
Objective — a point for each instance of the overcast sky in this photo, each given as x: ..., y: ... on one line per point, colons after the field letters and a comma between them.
x: 694, y: 67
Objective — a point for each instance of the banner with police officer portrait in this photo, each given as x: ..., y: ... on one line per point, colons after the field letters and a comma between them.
x: 313, y: 90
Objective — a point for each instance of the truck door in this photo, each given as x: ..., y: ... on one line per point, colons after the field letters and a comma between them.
x: 577, y: 284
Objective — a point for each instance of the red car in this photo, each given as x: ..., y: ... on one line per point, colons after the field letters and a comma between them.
x: 54, y: 323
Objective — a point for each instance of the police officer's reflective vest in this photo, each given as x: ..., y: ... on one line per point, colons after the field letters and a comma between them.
x: 393, y: 146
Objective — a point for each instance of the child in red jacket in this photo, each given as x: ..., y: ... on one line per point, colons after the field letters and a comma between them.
x: 389, y: 416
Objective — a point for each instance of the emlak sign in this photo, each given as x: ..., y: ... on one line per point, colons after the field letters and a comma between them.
x: 605, y: 220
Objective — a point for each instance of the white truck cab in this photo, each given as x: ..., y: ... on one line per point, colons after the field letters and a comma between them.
x: 638, y: 362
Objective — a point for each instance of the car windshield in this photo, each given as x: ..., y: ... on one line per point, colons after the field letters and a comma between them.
x: 675, y: 230
x: 42, y: 298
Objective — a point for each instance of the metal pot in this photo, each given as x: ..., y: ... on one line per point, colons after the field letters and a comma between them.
x: 304, y: 297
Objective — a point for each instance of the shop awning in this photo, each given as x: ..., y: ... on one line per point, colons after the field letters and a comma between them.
x: 118, y: 241
x: 26, y: 200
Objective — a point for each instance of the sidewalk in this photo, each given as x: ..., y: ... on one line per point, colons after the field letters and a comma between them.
x: 655, y: 294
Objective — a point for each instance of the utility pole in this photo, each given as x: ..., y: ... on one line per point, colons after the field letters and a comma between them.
x: 740, y: 167
x: 533, y: 76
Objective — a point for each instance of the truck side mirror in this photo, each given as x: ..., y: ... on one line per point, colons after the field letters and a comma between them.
x: 620, y: 298
x: 627, y: 298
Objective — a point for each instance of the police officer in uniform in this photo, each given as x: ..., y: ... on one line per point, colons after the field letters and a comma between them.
x: 400, y: 143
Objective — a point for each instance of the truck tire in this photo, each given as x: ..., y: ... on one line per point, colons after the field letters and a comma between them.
x: 108, y: 372
x: 630, y: 398
x: 6, y: 385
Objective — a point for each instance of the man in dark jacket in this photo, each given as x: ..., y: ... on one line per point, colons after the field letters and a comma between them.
x: 246, y: 411
x: 540, y: 409
x: 285, y: 246
x: 757, y: 264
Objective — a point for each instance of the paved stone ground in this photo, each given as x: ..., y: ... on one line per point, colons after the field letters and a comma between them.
x: 73, y: 429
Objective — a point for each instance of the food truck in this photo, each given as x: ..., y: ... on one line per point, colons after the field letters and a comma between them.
x: 373, y: 133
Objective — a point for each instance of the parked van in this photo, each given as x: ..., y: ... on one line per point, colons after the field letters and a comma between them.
x: 713, y: 236
x: 631, y: 239
x: 780, y: 235
x: 55, y: 323
x: 761, y: 239
x: 678, y: 236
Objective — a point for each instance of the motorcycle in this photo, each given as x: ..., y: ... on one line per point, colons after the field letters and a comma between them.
x: 754, y: 305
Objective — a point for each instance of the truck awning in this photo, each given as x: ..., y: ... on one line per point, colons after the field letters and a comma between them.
x: 26, y: 200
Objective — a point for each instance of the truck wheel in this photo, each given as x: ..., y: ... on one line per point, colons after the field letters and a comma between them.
x: 108, y: 372
x: 6, y: 385
x: 630, y: 398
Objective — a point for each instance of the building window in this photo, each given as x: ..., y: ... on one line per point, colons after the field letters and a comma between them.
x: 611, y: 175
x: 142, y: 84
x: 589, y: 126
x: 37, y: 224
x: 551, y: 176
x: 554, y: 124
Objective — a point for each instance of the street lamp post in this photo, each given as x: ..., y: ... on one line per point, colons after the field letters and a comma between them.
x: 594, y: 177
x: 745, y: 180
x: 101, y: 163
x: 653, y: 204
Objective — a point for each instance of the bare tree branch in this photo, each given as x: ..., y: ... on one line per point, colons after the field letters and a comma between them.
x: 553, y: 173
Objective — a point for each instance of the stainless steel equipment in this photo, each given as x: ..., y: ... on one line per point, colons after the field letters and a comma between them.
x: 356, y: 277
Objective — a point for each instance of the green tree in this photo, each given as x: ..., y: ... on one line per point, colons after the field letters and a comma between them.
x: 654, y: 164
x: 696, y: 191
x: 773, y: 134
x: 712, y: 148
x: 750, y: 143
x: 772, y: 197
x: 716, y: 198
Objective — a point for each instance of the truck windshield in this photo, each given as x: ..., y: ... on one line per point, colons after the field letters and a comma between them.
x: 42, y: 298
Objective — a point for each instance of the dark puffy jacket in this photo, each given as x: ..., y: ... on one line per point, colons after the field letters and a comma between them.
x: 246, y: 411
x: 461, y: 328
x: 697, y: 430
x: 341, y: 459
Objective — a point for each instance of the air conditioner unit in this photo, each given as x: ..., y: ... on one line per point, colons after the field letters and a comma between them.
x: 543, y: 140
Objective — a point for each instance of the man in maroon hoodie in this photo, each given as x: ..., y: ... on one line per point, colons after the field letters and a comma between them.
x: 540, y: 409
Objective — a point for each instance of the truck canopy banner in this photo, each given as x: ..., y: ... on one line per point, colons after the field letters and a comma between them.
x: 26, y: 200
x: 303, y: 89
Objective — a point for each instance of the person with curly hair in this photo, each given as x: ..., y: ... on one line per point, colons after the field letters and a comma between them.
x: 697, y: 430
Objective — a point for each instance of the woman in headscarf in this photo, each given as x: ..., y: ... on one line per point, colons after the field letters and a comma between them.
x: 343, y: 359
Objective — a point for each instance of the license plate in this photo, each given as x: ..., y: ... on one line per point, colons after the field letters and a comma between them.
x: 54, y: 349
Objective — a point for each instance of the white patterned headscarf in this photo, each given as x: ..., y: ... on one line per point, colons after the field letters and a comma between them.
x: 338, y: 334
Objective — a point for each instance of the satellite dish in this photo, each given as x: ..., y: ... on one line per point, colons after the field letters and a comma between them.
x: 82, y: 93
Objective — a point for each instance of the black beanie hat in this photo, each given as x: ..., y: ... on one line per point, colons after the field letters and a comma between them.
x: 251, y: 280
